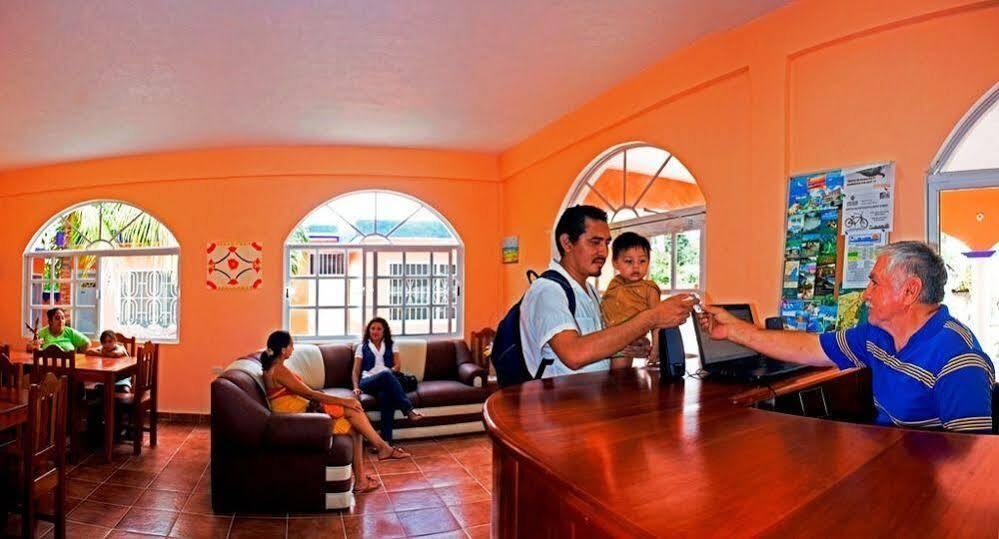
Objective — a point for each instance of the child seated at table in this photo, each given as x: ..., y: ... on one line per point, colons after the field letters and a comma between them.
x: 629, y: 292
x: 109, y: 346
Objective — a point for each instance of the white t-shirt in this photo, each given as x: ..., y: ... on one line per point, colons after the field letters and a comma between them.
x: 544, y: 312
x: 379, y: 353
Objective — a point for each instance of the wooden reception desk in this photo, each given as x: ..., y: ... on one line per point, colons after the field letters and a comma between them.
x: 617, y: 454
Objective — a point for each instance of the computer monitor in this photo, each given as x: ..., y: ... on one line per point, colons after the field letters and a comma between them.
x: 719, y: 351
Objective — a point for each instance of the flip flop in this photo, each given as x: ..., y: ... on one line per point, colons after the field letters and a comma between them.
x: 402, y: 454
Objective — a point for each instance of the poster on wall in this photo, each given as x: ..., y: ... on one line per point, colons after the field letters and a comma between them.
x: 511, y: 249
x: 234, y: 265
x: 810, y: 251
x: 868, y: 198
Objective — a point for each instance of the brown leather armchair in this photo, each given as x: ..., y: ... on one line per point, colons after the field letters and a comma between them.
x: 273, y: 463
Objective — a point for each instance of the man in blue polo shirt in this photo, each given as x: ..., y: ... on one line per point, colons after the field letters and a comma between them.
x: 927, y: 369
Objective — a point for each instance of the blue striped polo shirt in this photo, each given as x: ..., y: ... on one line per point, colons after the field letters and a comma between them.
x: 941, y: 378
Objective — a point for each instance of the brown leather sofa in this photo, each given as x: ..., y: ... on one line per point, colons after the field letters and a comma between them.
x: 264, y: 462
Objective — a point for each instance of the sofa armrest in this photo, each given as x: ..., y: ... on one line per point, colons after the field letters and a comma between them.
x: 472, y: 375
x: 302, y: 432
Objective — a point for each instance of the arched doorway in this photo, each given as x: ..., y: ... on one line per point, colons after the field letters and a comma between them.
x: 963, y: 218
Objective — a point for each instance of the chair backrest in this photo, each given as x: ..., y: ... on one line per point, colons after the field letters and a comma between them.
x: 481, y: 341
x: 146, y: 363
x: 55, y: 360
x: 10, y: 374
x: 127, y: 342
x: 46, y: 428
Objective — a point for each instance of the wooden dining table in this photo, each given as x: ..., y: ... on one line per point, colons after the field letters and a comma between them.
x: 13, y: 407
x: 99, y: 370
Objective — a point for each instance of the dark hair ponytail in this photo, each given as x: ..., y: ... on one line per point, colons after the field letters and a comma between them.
x: 277, y: 341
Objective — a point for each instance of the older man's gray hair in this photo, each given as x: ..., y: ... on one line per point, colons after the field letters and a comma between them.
x: 917, y: 259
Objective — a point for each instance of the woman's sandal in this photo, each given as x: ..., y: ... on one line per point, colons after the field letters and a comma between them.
x: 396, y: 454
x: 371, y: 485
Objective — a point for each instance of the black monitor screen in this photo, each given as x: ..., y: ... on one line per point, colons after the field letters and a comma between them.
x: 713, y: 351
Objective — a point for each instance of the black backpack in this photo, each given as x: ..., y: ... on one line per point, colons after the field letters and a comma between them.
x: 507, y: 355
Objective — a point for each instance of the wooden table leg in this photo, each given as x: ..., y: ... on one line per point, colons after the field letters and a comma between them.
x: 108, y: 416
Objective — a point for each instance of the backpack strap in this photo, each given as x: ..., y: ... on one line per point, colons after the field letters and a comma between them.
x: 570, y: 296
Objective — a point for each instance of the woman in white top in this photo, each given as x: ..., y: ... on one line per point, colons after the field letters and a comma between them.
x: 376, y: 361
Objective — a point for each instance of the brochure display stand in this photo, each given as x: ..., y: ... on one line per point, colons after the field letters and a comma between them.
x: 836, y: 222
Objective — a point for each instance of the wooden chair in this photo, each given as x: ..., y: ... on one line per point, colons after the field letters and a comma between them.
x: 481, y: 341
x: 53, y: 359
x: 140, y: 404
x: 10, y: 374
x: 10, y: 378
x: 127, y: 342
x: 42, y: 456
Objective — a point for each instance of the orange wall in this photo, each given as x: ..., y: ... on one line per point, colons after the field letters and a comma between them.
x: 814, y: 85
x: 958, y: 217
x: 248, y: 194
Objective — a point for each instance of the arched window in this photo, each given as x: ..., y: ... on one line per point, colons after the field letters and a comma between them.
x: 963, y: 218
x: 648, y: 190
x: 373, y: 253
x: 109, y: 265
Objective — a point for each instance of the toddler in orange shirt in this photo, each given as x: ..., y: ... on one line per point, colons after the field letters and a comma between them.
x: 630, y: 292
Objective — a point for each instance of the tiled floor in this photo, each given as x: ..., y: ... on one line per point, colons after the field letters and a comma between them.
x: 443, y: 491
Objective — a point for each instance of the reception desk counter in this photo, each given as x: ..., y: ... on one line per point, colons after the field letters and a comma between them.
x: 617, y: 454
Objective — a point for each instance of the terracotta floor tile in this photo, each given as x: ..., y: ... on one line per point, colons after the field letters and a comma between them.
x: 396, y: 466
x: 415, y: 499
x: 404, y: 481
x: 373, y: 502
x: 461, y: 494
x: 98, y: 514
x: 424, y: 449
x: 76, y: 488
x: 76, y: 530
x: 377, y: 525
x: 116, y: 494
x: 315, y: 527
x: 150, y: 521
x: 169, y: 500
x: 426, y: 521
x: 479, y: 532
x: 92, y: 473
x: 183, y: 483
x: 125, y: 534
x: 258, y: 528
x: 436, y: 461
x: 201, y: 526
x: 131, y: 478
x: 199, y: 502
x: 452, y: 475
x: 456, y: 534
x: 472, y: 514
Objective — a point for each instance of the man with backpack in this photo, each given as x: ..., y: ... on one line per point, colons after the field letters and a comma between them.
x: 561, y: 330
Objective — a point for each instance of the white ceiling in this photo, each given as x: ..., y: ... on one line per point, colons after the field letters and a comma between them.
x: 98, y: 78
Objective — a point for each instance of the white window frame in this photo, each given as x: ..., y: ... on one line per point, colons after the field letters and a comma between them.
x: 98, y: 254
x: 671, y: 222
x: 368, y: 267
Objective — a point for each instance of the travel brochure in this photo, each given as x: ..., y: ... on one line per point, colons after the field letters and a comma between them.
x: 856, y: 203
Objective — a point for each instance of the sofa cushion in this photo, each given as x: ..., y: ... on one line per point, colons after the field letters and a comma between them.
x: 448, y: 393
x: 441, y: 364
x: 414, y: 356
x: 307, y: 362
x: 339, y: 362
x: 250, y: 365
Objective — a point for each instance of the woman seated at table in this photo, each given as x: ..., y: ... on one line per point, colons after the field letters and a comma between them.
x: 109, y: 346
x: 57, y: 333
x: 376, y: 361
x: 287, y: 393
